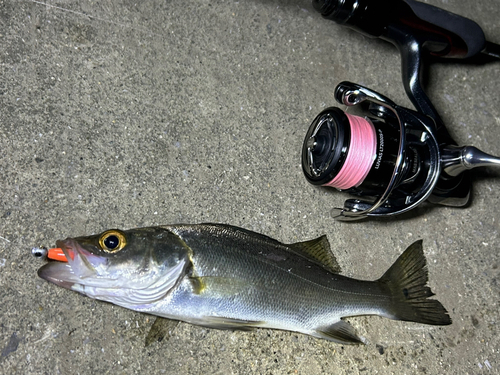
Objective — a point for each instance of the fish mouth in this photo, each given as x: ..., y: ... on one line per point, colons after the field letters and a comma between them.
x: 81, y: 265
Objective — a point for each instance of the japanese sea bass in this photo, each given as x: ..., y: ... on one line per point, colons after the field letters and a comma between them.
x: 226, y: 277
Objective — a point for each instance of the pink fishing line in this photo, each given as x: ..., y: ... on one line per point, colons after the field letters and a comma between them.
x: 361, y: 155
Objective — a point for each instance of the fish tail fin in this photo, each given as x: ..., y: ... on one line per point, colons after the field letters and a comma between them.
x: 406, y: 282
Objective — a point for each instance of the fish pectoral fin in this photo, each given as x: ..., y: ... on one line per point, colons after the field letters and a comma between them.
x: 161, y: 329
x: 218, y: 285
x: 317, y: 250
x: 341, y: 332
x: 220, y: 322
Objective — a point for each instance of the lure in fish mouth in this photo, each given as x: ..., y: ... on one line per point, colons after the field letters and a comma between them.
x: 101, y: 268
x: 226, y: 277
x: 78, y: 264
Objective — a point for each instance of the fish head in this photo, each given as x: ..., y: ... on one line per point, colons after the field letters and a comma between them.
x: 132, y: 268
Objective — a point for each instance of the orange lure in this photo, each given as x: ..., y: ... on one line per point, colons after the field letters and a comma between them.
x: 56, y: 254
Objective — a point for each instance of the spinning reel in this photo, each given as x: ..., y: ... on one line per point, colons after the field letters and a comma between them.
x: 394, y: 157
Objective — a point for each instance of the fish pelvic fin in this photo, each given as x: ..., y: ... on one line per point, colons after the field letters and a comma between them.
x: 406, y: 282
x: 340, y: 332
x: 220, y: 322
x: 318, y: 251
x: 161, y: 329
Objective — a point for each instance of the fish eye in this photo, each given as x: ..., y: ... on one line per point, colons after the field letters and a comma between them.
x: 112, y: 241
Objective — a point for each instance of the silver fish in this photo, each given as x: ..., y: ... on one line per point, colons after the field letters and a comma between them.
x: 226, y: 277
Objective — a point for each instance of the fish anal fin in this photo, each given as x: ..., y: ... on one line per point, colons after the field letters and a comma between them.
x: 220, y: 322
x: 341, y: 332
x: 161, y: 329
x: 318, y: 250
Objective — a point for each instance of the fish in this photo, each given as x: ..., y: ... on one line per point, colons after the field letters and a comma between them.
x: 225, y: 277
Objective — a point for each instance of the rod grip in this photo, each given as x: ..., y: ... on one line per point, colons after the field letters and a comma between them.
x: 457, y: 26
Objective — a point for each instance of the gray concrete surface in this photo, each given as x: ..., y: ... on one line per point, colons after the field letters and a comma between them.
x: 127, y: 114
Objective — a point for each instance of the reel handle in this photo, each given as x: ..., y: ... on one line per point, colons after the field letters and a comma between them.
x: 455, y: 160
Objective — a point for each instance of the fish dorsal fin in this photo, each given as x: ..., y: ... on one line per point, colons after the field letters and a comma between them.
x: 341, y: 332
x: 318, y: 250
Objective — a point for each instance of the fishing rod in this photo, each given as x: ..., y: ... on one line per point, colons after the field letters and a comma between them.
x: 393, y: 158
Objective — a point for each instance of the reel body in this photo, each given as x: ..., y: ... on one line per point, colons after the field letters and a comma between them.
x: 394, y: 158
x: 391, y: 159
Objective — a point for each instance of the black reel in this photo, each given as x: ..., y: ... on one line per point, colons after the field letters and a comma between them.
x: 394, y: 158
x: 406, y: 166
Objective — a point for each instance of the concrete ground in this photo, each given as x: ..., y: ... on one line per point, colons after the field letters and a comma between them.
x: 117, y: 113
